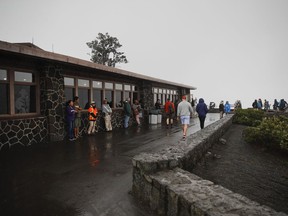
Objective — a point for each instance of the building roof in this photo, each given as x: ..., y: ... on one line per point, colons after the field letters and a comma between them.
x: 34, y: 51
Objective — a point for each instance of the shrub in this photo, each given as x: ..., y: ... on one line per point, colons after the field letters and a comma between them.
x: 272, y: 132
x: 249, y: 117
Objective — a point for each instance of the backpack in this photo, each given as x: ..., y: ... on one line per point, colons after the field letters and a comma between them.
x: 170, y: 108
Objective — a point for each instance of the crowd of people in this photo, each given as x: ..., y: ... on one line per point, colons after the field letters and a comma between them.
x: 74, y: 115
x: 280, y: 105
x: 183, y: 111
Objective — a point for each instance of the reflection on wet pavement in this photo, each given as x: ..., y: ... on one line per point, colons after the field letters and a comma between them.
x: 91, y: 176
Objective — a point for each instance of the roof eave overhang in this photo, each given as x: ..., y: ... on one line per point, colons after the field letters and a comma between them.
x: 39, y: 53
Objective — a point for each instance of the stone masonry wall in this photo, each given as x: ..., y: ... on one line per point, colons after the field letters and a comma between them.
x: 160, y: 182
x: 23, y: 132
x: 51, y: 101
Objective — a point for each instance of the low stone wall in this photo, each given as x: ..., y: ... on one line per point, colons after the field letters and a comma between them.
x: 160, y: 182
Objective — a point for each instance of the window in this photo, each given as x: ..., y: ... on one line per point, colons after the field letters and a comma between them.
x: 24, y: 93
x: 97, y: 97
x: 18, y: 93
x: 108, y: 85
x: 97, y: 93
x: 83, y: 95
x: 127, y: 87
x: 109, y: 97
x: 5, y: 95
x: 109, y: 93
x: 97, y: 90
x: 83, y: 83
x: 69, y: 89
x: 97, y: 84
x: 83, y: 92
x: 118, y: 86
x: 127, y: 95
x: 119, y: 98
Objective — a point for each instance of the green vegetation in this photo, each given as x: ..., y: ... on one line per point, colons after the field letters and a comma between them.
x: 270, y: 131
x: 249, y: 117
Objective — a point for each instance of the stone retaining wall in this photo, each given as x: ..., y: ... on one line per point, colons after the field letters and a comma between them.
x: 160, y: 182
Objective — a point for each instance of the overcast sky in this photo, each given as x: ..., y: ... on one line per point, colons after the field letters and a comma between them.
x: 228, y: 49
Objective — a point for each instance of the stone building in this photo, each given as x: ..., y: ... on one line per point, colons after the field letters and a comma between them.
x: 35, y: 86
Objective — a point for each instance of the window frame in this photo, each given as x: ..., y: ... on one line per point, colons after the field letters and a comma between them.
x: 11, y: 94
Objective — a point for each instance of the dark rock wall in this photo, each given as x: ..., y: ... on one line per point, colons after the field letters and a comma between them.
x: 52, y: 101
x: 23, y: 132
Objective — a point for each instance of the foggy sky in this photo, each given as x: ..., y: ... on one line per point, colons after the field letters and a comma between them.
x: 228, y: 49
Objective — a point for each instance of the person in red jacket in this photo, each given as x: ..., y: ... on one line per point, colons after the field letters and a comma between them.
x: 92, y: 112
x: 169, y: 110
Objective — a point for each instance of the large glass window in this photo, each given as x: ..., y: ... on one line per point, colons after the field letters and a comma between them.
x: 4, y: 89
x: 22, y: 98
x: 127, y: 95
x: 119, y: 98
x: 97, y: 90
x: 83, y: 83
x: 25, y: 99
x: 127, y: 87
x: 24, y: 93
x: 108, y: 85
x: 97, y: 93
x: 97, y: 84
x: 97, y: 97
x: 69, y: 89
x: 83, y: 94
x: 24, y: 77
x: 109, y: 97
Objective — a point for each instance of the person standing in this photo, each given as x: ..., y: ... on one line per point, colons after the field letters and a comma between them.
x: 77, y: 121
x: 92, y: 112
x: 193, y: 105
x: 184, y: 111
x: 127, y: 112
x: 275, y: 105
x: 70, y: 117
x: 136, y: 110
x: 169, y: 110
x: 259, y: 104
x: 158, y: 105
x: 202, y: 110
x: 227, y: 108
x: 254, y: 104
x: 106, y: 109
x: 221, y: 109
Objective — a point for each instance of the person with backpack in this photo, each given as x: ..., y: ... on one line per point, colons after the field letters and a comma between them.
x: 169, y: 111
x: 184, y: 111
x: 221, y: 109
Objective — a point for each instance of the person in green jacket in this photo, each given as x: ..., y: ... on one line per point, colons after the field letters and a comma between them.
x: 127, y: 112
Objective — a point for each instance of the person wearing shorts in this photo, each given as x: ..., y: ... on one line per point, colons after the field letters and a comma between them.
x: 184, y: 111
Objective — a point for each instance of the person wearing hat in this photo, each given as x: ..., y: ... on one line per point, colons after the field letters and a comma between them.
x: 184, y: 111
x: 169, y: 110
x: 221, y: 109
x: 92, y: 111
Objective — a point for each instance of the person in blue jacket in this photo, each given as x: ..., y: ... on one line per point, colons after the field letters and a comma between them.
x: 202, y: 110
x: 227, y: 107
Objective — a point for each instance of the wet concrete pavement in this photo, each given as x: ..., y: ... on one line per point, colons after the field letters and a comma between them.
x: 91, y: 176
